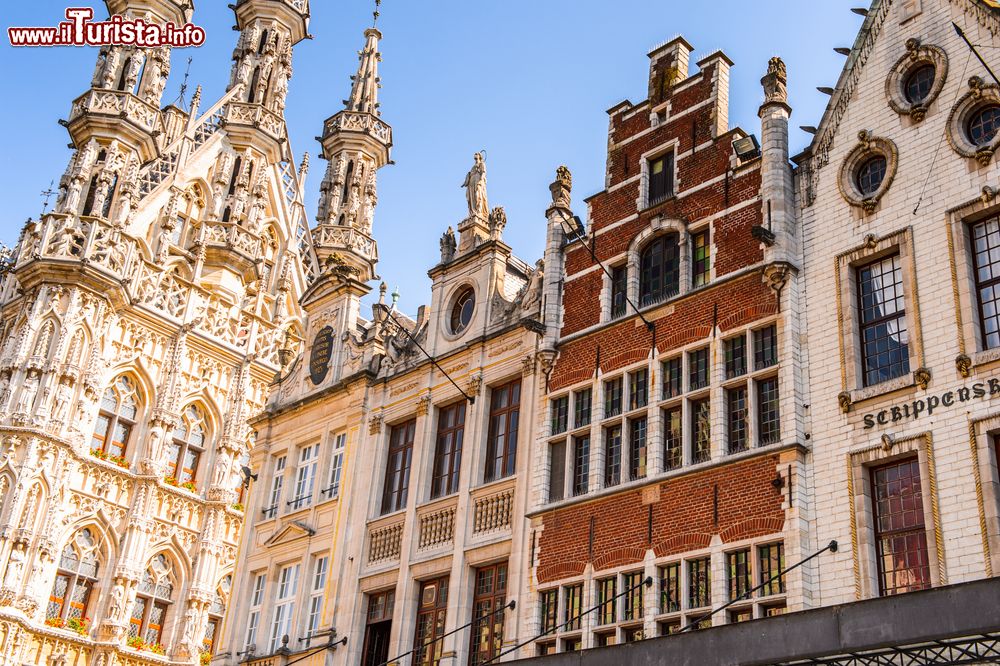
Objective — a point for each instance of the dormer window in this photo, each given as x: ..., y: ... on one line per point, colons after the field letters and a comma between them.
x: 661, y: 178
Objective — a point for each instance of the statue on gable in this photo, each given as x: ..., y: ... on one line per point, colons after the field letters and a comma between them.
x: 475, y: 189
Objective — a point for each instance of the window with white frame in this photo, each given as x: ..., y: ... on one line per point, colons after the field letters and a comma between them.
x: 336, y: 467
x: 256, y: 601
x: 320, y: 568
x: 277, y: 484
x: 305, y: 477
x: 284, y: 606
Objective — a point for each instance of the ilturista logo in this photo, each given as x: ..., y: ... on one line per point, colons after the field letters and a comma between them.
x: 79, y: 29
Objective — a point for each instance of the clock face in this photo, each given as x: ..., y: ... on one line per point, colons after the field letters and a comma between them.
x: 320, y: 355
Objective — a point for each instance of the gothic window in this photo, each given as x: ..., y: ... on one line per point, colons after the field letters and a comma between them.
x: 235, y: 177
x: 347, y: 183
x: 448, y: 450
x: 501, y: 442
x: 397, y: 468
x: 116, y: 418
x: 73, y: 590
x: 88, y: 203
x: 109, y: 197
x: 659, y: 270
x: 215, y: 614
x: 983, y: 124
x: 253, y: 85
x: 187, y: 447
x: 884, y: 339
x: 43, y: 343
x: 127, y: 65
x: 154, y: 598
x: 263, y: 42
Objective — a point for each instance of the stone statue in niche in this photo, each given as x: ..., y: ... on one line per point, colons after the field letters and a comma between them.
x: 475, y: 189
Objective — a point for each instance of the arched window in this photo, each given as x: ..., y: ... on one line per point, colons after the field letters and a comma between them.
x: 155, y: 595
x: 127, y: 65
x: 88, y: 203
x: 659, y: 270
x: 254, y: 80
x: 235, y: 177
x: 187, y: 446
x: 347, y: 183
x: 73, y: 590
x: 215, y: 613
x: 116, y: 419
x: 110, y: 198
x: 263, y: 42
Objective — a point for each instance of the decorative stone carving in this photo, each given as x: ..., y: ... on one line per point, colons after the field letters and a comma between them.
x: 916, y: 56
x: 474, y: 384
x: 844, y: 399
x: 498, y: 220
x: 561, y: 188
x: 532, y: 297
x: 776, y: 276
x: 448, y: 245
x: 775, y: 82
x: 375, y: 424
x: 964, y: 365
x: 528, y: 365
x: 423, y: 405
x: 887, y: 442
x: 922, y: 377
x: 979, y: 94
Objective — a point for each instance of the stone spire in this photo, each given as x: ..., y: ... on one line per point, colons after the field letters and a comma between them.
x: 356, y: 143
x: 364, y: 89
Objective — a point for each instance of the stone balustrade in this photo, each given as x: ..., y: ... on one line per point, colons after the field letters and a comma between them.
x: 385, y: 543
x: 437, y: 528
x: 492, y: 512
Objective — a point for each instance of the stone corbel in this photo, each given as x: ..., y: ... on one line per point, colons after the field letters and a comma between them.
x: 776, y: 277
x: 844, y: 398
x: 375, y: 424
x: 423, y: 405
x: 474, y: 384
x: 528, y: 365
x: 922, y: 377
x: 964, y: 365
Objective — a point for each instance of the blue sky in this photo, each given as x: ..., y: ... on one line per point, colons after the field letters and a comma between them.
x: 529, y: 82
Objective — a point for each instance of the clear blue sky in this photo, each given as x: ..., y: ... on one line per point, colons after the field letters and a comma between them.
x: 528, y: 81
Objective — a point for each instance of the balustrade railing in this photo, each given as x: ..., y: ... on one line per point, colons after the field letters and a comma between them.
x: 493, y: 512
x: 385, y: 543
x: 437, y: 528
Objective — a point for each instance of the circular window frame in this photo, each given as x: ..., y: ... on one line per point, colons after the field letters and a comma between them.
x: 453, y: 302
x: 979, y: 94
x: 916, y: 56
x: 868, y: 146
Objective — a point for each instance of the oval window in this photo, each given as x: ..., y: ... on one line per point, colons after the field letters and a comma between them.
x: 918, y: 83
x: 870, y: 175
x: 461, y: 312
x: 983, y: 124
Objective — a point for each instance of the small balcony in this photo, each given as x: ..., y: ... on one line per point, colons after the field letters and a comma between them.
x: 385, y: 541
x: 493, y: 507
x: 437, y: 525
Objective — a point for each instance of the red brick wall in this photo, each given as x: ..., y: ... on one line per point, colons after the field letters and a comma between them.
x: 684, y: 519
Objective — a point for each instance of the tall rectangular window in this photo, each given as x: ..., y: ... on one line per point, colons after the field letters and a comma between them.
x: 256, y: 601
x: 673, y: 438
x: 738, y: 574
x: 284, y: 606
x: 581, y: 464
x: 638, y: 389
x: 701, y: 430
x: 637, y: 449
x: 612, y: 456
x: 699, y: 583
x: 489, y: 596
x: 574, y: 607
x: 606, y: 600
x: 559, y: 412
x: 670, y: 588
x: 698, y: 369
x: 765, y: 347
x: 320, y: 569
x: 501, y: 441
x: 305, y: 477
x: 336, y: 466
x: 397, y: 467
x: 735, y: 350
x: 701, y: 259
x: 884, y: 339
x: 673, y: 378
x: 557, y: 470
x: 986, y: 260
x: 613, y: 397
x: 632, y: 603
x: 581, y: 408
x: 736, y: 419
x: 661, y: 178
x: 378, y: 628
x: 277, y: 483
x: 432, y: 606
x: 900, y: 536
x: 772, y: 562
x: 619, y: 287
x: 768, y: 418
x: 448, y: 449
x: 548, y: 601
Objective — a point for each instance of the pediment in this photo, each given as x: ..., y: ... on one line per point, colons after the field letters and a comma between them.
x: 290, y: 531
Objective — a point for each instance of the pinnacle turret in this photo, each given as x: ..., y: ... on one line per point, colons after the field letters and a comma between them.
x: 364, y: 89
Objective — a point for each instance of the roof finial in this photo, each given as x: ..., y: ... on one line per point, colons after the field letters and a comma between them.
x: 375, y: 14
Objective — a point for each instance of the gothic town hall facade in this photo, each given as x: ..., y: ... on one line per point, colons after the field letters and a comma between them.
x: 742, y: 410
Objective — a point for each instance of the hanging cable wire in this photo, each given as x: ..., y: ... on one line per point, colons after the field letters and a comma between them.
x: 647, y: 581
x: 510, y: 605
x: 470, y: 398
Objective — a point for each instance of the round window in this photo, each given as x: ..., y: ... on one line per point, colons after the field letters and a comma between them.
x: 983, y: 124
x: 870, y: 175
x: 461, y: 312
x: 918, y: 83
